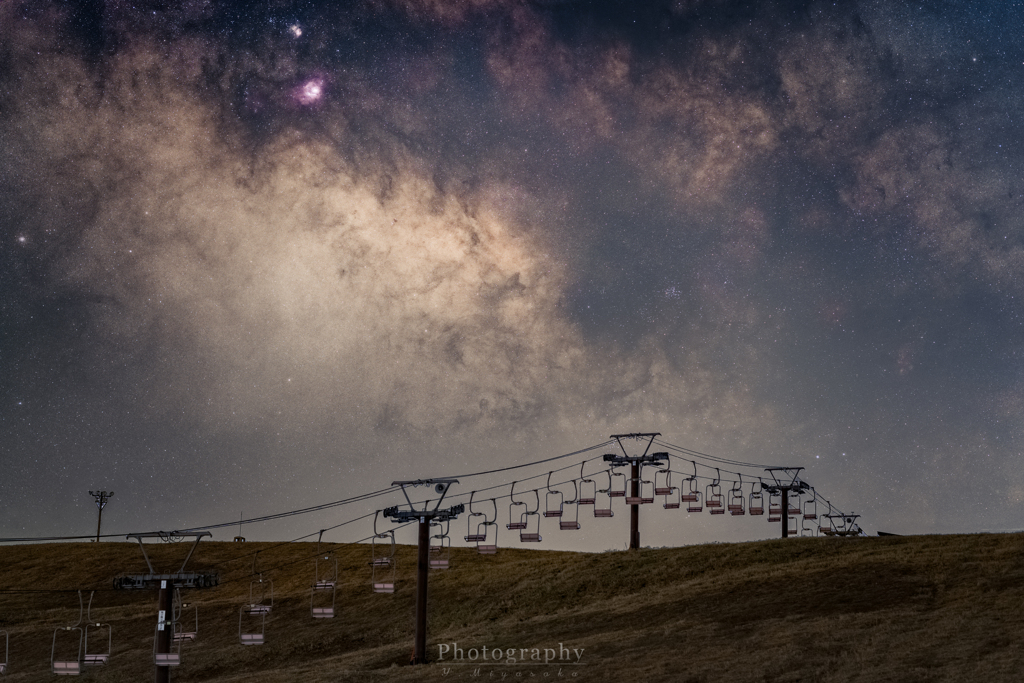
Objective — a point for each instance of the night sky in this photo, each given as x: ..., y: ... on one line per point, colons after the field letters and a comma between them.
x: 259, y: 256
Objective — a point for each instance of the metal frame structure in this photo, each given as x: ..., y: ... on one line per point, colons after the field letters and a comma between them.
x: 582, y: 499
x: 163, y: 638
x: 251, y: 636
x: 526, y: 536
x: 180, y: 635
x: 756, y: 494
x: 474, y: 536
x: 735, y: 504
x: 181, y: 578
x: 323, y: 583
x: 713, y: 499
x: 95, y: 658
x: 636, y: 463
x: 785, y: 481
x: 513, y: 503
x: 380, y: 563
x: 566, y: 524
x: 258, y: 606
x: 69, y: 667
x: 424, y: 516
x: 549, y: 510
x: 482, y: 546
x: 478, y: 537
x: 441, y: 554
x: 666, y: 487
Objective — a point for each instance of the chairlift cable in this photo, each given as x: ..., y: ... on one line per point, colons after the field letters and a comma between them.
x: 280, y: 515
x: 528, y: 464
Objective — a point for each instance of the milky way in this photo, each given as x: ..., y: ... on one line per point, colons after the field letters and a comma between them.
x: 255, y: 259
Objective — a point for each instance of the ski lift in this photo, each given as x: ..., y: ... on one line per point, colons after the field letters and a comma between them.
x: 549, y: 509
x: 837, y: 525
x: 526, y: 536
x: 646, y: 492
x: 65, y: 666
x: 666, y: 484
x: 325, y: 583
x: 587, y: 494
x: 825, y: 521
x: 633, y: 500
x: 604, y: 511
x: 382, y: 560
x: 261, y: 595
x: 692, y: 493
x: 737, y: 498
x: 809, y: 526
x: 774, y: 506
x: 250, y: 636
x: 756, y: 506
x: 676, y: 501
x: 180, y: 635
x: 811, y: 507
x: 713, y: 496
x: 471, y: 535
x: 572, y: 524
x: 7, y: 652
x: 641, y: 498
x: 482, y: 546
x: 843, y: 525
x: 514, y: 507
x: 612, y: 491
x: 694, y: 501
x: 261, y: 592
x: 794, y: 505
x: 440, y: 554
x: 95, y: 658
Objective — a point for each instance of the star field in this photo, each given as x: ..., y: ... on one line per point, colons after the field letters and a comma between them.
x: 258, y: 257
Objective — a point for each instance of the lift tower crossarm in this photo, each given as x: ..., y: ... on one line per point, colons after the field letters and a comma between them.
x: 650, y: 436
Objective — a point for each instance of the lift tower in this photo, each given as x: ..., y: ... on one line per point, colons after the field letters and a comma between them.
x: 636, y: 462
x: 163, y: 658
x: 784, y: 481
x: 424, y: 516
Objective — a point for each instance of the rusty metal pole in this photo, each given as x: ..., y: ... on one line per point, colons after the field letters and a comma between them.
x: 422, y: 571
x: 634, y: 510
x: 164, y: 627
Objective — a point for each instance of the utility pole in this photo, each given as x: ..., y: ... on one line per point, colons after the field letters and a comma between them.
x: 636, y: 462
x: 101, y: 502
x: 784, y: 481
x: 424, y: 517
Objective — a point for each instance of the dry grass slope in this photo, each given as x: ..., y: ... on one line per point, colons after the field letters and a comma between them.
x: 927, y: 608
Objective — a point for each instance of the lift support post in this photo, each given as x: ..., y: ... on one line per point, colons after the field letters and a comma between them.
x: 636, y: 463
x: 423, y: 517
x: 166, y: 583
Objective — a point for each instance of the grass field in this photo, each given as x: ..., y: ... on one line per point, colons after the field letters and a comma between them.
x: 922, y: 608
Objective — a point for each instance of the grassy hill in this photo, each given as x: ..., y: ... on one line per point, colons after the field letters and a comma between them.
x: 925, y: 608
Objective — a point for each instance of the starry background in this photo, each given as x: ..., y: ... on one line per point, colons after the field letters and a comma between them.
x: 258, y: 256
